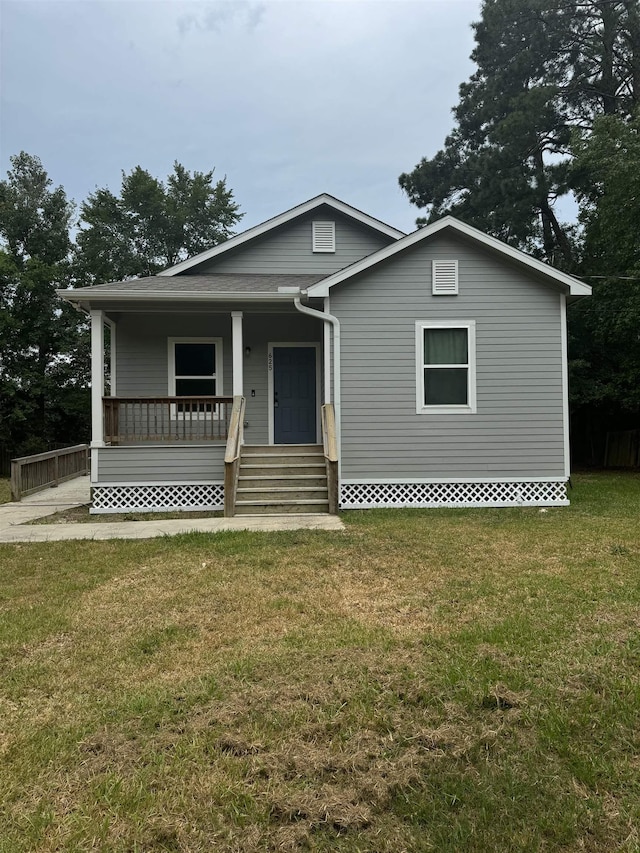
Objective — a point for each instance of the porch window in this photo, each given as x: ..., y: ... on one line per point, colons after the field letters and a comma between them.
x: 195, y: 369
x: 445, y: 364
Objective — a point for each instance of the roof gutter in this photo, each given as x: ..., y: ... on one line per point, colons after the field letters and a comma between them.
x: 171, y: 296
x: 329, y: 318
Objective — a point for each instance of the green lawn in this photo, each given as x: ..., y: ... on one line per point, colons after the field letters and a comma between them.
x: 462, y: 680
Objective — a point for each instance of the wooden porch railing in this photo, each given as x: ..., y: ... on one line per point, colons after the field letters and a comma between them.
x: 133, y: 420
x: 232, y: 456
x: 31, y: 474
x: 330, y: 447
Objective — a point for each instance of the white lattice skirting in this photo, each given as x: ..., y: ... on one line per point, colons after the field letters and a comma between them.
x: 187, y: 497
x: 432, y: 495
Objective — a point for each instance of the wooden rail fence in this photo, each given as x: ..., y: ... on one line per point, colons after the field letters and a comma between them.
x: 31, y: 474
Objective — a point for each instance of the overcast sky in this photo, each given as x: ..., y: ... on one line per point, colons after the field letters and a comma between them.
x: 287, y: 99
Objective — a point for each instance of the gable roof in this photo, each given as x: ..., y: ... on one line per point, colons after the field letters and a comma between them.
x: 573, y: 286
x: 281, y: 219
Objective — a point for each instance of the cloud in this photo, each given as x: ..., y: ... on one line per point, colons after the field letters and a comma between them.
x: 286, y: 97
x: 217, y: 15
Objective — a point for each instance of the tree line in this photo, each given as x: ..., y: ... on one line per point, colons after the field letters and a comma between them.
x: 45, y: 244
x: 551, y: 114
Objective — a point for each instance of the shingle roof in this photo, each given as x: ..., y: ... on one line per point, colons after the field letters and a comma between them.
x: 217, y: 283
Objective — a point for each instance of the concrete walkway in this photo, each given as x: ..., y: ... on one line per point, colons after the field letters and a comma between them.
x: 14, y: 518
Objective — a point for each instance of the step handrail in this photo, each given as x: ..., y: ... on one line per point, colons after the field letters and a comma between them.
x: 232, y: 455
x: 330, y: 449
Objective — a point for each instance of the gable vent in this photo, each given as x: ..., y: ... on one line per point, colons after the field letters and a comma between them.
x: 324, y: 236
x: 444, y: 278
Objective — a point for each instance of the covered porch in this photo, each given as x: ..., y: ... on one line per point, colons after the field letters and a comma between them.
x: 179, y: 395
x: 167, y: 378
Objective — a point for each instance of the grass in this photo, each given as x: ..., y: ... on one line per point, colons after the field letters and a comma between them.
x: 5, y: 490
x: 439, y: 680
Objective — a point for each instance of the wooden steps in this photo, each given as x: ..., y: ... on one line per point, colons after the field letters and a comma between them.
x: 275, y: 479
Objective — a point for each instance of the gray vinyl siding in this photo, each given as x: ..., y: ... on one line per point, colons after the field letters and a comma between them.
x: 166, y: 464
x: 288, y: 249
x: 142, y: 359
x: 518, y: 428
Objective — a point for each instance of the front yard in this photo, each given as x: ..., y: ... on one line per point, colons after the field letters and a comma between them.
x: 455, y: 680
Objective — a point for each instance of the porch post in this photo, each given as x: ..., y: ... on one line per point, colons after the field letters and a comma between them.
x: 238, y: 354
x: 97, y: 377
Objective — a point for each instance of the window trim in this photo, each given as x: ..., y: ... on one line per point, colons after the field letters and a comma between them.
x: 218, y: 375
x: 467, y: 408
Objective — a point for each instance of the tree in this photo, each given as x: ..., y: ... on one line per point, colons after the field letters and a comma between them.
x: 550, y: 111
x: 605, y: 344
x: 43, y: 361
x: 152, y: 224
x: 544, y: 67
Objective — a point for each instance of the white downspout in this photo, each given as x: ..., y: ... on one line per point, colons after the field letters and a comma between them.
x: 329, y: 318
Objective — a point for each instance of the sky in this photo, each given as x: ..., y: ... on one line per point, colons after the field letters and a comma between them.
x: 285, y: 98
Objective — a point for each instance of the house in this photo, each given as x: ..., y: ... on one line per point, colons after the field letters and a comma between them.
x: 419, y: 370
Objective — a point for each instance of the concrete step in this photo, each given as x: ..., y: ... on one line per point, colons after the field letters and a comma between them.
x: 302, y: 481
x: 280, y: 507
x: 279, y: 495
x: 281, y: 469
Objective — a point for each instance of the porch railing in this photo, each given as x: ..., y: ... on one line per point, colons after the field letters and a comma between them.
x: 330, y: 448
x: 134, y: 420
x: 232, y: 456
x: 31, y: 474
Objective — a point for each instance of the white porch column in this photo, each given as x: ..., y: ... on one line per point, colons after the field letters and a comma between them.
x: 238, y: 353
x: 97, y: 377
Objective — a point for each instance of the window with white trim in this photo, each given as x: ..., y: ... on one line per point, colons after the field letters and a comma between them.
x: 195, y: 369
x: 323, y: 236
x: 445, y: 367
x: 444, y: 278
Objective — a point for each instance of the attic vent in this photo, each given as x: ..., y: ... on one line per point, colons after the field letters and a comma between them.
x: 444, y: 278
x: 324, y: 236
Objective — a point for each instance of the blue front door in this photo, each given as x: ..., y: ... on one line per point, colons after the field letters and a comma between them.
x: 294, y: 395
